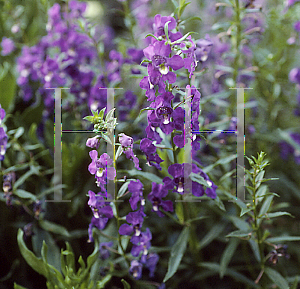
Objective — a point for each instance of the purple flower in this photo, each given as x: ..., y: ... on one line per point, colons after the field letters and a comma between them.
x: 297, y: 26
x: 102, y: 212
x: 158, y: 192
x: 136, y: 220
x: 204, y: 47
x: 93, y: 142
x: 181, y: 178
x: 99, y: 167
x: 103, y: 249
x: 150, y: 263
x: 127, y: 145
x: 99, y: 207
x: 294, y: 75
x: 2, y: 114
x: 159, y: 24
x: 7, y: 45
x: 178, y: 117
x: 291, y: 2
x: 158, y: 70
x: 141, y: 243
x: 136, y: 190
x: 3, y: 143
x: 149, y: 149
x: 98, y: 223
x: 136, y: 269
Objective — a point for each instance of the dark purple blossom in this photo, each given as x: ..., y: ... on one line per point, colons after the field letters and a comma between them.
x: 204, y: 47
x: 136, y: 269
x: 3, y: 135
x: 179, y: 118
x: 102, y: 212
x: 141, y: 243
x: 151, y: 262
x: 149, y: 149
x: 158, y: 192
x: 98, y: 205
x: 8, y: 46
x: 161, y: 116
x: 182, y: 181
x: 127, y: 145
x: 136, y: 220
x: 136, y: 190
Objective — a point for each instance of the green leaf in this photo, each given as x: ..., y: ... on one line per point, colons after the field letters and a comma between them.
x: 245, y: 211
x: 199, y: 179
x: 227, y: 255
x: 93, y: 257
x: 220, y: 204
x: 177, y: 252
x: 123, y: 189
x: 255, y: 249
x: 265, y: 207
x: 283, y: 239
x: 35, y: 263
x: 119, y: 152
x: 125, y: 284
x: 215, y: 231
x: 239, y: 234
x: 54, y: 228
x: 89, y: 118
x: 25, y: 195
x: 8, y: 90
x: 101, y: 284
x: 229, y: 272
x: 110, y: 115
x: 146, y: 175
x: 277, y: 278
x: 21, y: 180
x: 276, y: 214
x: 294, y: 286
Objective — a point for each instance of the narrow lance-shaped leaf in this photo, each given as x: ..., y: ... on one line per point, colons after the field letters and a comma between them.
x: 177, y: 252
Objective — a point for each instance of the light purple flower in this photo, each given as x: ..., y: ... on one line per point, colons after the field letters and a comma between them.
x: 8, y: 46
x: 136, y: 269
x: 136, y: 190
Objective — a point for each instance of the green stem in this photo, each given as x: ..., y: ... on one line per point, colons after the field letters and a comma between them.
x: 257, y: 227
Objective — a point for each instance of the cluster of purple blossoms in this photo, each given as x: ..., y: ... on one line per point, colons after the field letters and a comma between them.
x: 140, y: 240
x: 102, y: 211
x: 3, y: 135
x: 181, y: 182
x: 102, y: 168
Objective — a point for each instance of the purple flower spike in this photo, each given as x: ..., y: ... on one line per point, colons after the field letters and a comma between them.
x: 158, y: 192
x: 3, y: 143
x: 151, y: 262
